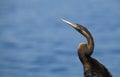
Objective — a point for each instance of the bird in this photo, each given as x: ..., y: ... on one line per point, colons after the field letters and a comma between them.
x: 91, y: 66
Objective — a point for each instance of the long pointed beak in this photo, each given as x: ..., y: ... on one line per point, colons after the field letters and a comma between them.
x: 69, y: 23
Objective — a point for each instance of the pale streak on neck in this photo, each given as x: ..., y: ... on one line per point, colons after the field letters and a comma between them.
x: 90, y: 41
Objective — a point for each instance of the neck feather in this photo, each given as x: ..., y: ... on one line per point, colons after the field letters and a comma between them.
x: 90, y: 41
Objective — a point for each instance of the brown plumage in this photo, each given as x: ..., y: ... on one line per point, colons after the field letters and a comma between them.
x: 92, y: 68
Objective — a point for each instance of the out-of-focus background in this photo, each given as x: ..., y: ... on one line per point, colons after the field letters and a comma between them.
x: 34, y: 42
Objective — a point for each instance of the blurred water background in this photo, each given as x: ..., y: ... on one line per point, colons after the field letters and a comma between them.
x: 35, y: 43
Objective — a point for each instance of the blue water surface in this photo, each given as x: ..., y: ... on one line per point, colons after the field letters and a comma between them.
x: 34, y: 42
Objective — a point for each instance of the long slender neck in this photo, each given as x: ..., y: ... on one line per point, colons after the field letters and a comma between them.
x: 86, y: 49
x: 90, y: 41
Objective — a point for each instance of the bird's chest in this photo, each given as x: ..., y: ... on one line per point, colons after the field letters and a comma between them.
x: 89, y: 72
